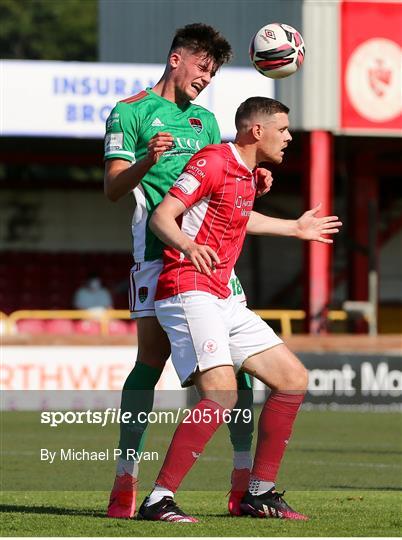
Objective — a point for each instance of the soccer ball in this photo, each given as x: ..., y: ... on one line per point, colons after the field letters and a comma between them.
x: 277, y: 50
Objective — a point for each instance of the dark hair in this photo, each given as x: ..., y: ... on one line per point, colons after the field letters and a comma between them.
x: 257, y: 105
x: 199, y: 37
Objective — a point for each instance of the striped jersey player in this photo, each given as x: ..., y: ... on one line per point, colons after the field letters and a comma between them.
x: 203, y: 219
x: 218, y: 190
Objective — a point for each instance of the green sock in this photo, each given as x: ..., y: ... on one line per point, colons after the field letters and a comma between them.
x: 137, y: 397
x: 241, y: 426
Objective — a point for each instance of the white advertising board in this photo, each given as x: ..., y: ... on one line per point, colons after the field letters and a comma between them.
x: 73, y: 99
x: 34, y: 376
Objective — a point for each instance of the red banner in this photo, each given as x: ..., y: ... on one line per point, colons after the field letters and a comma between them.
x: 371, y: 57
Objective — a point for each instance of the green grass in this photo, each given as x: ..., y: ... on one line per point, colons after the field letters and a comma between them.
x: 354, y: 513
x: 343, y: 469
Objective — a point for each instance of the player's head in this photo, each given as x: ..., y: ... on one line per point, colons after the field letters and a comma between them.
x: 196, y: 53
x: 264, y: 122
x: 201, y: 38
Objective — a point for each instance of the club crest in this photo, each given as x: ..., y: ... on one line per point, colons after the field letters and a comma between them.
x: 142, y: 294
x: 196, y: 124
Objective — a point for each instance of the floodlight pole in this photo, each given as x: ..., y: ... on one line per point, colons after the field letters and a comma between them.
x: 318, y: 189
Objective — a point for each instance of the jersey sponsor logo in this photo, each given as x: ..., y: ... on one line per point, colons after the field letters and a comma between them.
x: 210, y: 346
x: 201, y: 162
x: 142, y: 294
x: 199, y: 172
x: 185, y: 143
x: 182, y: 146
x: 245, y: 205
x: 113, y: 141
x: 157, y: 123
x: 187, y: 183
x: 196, y: 124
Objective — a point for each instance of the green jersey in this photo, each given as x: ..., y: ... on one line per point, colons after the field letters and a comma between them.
x: 130, y: 126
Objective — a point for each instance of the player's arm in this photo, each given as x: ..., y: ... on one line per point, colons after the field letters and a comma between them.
x: 121, y: 176
x: 306, y: 227
x: 163, y: 224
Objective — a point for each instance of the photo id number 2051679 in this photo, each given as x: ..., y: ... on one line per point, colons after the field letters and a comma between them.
x: 206, y: 416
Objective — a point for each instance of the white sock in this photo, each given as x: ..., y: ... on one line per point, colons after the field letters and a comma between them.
x: 125, y: 466
x: 242, y: 460
x: 157, y: 494
x: 258, y: 487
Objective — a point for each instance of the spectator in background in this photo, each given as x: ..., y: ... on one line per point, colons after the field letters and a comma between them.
x: 92, y: 295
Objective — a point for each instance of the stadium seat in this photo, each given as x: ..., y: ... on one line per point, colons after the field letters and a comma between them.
x: 59, y: 326
x: 31, y: 326
x: 47, y: 280
x: 132, y: 327
x: 118, y: 328
x: 87, y: 327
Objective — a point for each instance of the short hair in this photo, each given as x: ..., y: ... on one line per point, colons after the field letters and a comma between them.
x: 258, y: 105
x: 199, y: 37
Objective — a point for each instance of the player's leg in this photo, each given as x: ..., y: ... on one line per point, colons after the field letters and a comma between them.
x: 241, y: 426
x: 281, y: 370
x: 217, y: 388
x: 201, y: 354
x: 241, y: 429
x: 137, y: 398
x: 261, y: 353
x: 138, y: 390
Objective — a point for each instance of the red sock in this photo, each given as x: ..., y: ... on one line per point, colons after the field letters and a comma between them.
x: 274, y: 430
x: 188, y: 442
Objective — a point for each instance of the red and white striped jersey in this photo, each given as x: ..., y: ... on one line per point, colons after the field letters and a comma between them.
x: 218, y: 191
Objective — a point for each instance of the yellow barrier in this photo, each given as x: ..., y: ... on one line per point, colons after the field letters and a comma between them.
x: 3, y: 323
x: 285, y: 316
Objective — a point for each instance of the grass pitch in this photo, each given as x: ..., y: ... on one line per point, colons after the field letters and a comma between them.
x: 343, y: 469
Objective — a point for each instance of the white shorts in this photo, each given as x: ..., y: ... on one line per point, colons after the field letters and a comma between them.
x: 141, y: 293
x: 206, y: 332
x: 144, y: 280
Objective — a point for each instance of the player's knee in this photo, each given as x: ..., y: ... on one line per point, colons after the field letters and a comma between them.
x: 225, y: 398
x: 155, y: 357
x: 299, y: 378
x: 228, y: 399
x: 231, y: 399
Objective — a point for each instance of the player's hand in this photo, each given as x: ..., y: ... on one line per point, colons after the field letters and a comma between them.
x: 160, y: 143
x: 310, y: 227
x: 203, y: 258
x: 264, y: 181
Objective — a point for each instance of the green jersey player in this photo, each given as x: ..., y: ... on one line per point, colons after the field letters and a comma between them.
x: 131, y: 125
x: 149, y: 139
